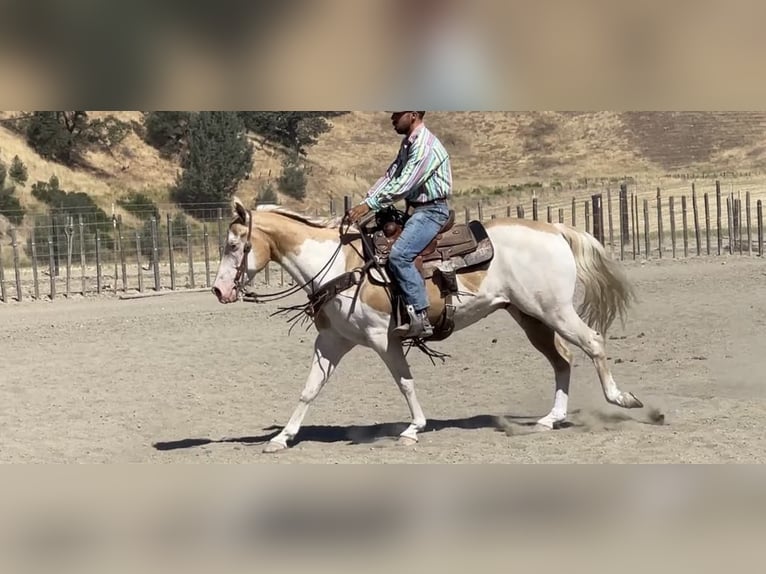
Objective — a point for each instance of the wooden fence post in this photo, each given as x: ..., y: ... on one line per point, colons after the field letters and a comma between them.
x: 138, y: 263
x: 609, y: 219
x: 749, y: 227
x: 634, y: 225
x: 81, y: 225
x: 34, y: 264
x: 574, y: 212
x: 659, y: 223
x: 730, y: 222
x: 98, y: 261
x: 684, y: 213
x: 672, y: 213
x: 207, y: 256
x: 155, y: 255
x: 221, y: 237
x: 718, y: 215
x: 646, y: 229
x: 190, y: 251
x: 171, y: 255
x: 17, y: 271
x: 2, y: 277
x: 696, y: 221
x: 598, y: 220
x: 561, y: 215
x: 759, y: 224
x: 707, y: 224
x: 52, y: 262
x: 123, y: 263
x: 534, y: 209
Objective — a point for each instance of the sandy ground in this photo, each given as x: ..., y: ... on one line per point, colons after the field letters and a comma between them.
x: 181, y: 378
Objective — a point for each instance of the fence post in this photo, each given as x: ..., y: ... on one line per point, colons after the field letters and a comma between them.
x: 52, y: 262
x: 346, y: 203
x: 646, y: 228
x: 138, y: 263
x: 574, y: 212
x: 480, y: 210
x: 707, y: 223
x: 467, y: 215
x: 123, y: 264
x: 155, y: 255
x: 634, y: 225
x: 759, y: 224
x: 69, y: 231
x: 520, y: 211
x: 561, y: 215
x: 587, y: 217
x: 34, y: 265
x: 730, y: 222
x: 2, y: 277
x: 207, y: 255
x: 609, y: 218
x: 534, y: 209
x: 696, y: 221
x: 171, y: 255
x: 685, y: 225
x: 718, y: 215
x: 81, y: 225
x: 190, y: 250
x: 672, y: 213
x: 17, y: 271
x: 598, y: 220
x: 550, y: 214
x: 660, y: 227
x: 220, y: 233
x: 624, y: 225
x: 98, y: 261
x: 749, y: 228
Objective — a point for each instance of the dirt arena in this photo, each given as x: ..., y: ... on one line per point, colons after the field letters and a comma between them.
x: 181, y: 378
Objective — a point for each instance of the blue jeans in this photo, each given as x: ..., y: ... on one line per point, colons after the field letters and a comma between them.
x: 422, y: 226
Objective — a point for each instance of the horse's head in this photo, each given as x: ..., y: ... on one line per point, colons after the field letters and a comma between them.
x: 246, y: 251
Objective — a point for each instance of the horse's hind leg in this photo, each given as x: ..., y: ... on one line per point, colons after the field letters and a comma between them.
x: 547, y: 341
x: 571, y: 327
x: 329, y: 349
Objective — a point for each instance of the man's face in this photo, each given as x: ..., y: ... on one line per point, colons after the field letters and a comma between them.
x: 402, y: 121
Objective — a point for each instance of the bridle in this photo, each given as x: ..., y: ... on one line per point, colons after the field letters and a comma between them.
x: 239, y: 278
x: 239, y: 284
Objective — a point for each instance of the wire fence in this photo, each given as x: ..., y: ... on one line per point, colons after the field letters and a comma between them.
x: 63, y: 254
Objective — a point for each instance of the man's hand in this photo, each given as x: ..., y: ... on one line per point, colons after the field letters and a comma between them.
x: 358, y: 212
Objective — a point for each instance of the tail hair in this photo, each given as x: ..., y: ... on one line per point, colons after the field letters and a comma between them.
x: 608, y: 293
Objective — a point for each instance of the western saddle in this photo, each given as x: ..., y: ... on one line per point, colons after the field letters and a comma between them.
x: 458, y: 248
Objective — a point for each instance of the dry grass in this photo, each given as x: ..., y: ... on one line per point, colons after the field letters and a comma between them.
x: 490, y: 151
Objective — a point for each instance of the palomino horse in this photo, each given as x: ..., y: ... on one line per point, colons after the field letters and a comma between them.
x: 532, y: 276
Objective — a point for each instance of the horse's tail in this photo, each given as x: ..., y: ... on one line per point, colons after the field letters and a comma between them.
x: 607, y: 292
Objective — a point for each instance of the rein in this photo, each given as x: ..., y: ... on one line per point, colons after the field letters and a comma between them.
x: 252, y: 296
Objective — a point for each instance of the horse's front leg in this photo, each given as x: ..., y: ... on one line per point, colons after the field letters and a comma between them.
x: 329, y: 349
x: 392, y: 353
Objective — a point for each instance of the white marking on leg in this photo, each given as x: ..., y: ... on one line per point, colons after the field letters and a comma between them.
x: 329, y: 349
x: 393, y: 357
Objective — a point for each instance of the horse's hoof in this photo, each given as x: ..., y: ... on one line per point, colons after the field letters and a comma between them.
x: 540, y: 427
x: 272, y: 447
x: 630, y: 401
x: 407, y: 441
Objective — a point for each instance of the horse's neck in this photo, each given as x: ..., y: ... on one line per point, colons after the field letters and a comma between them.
x: 304, y: 252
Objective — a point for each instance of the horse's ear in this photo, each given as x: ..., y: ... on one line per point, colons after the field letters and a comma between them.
x: 238, y: 209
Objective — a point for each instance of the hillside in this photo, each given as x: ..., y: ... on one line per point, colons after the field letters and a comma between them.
x: 490, y: 150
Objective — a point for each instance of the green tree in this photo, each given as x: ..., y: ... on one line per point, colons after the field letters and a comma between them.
x: 292, y: 180
x: 293, y: 130
x: 218, y: 158
x: 166, y: 131
x: 18, y: 171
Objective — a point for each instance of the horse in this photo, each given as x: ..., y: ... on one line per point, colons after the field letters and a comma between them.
x: 532, y: 275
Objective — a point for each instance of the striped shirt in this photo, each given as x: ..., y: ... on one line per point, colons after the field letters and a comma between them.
x: 421, y: 172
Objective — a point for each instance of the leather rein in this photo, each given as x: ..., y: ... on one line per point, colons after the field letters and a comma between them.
x: 252, y: 296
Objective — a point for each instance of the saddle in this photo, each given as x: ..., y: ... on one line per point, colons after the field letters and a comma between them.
x: 458, y: 248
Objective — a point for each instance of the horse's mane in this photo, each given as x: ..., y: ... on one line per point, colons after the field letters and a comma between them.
x: 321, y: 222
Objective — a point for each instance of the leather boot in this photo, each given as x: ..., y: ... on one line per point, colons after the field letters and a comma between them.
x: 418, y: 325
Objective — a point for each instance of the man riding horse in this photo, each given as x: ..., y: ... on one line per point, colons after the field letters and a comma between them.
x: 421, y: 174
